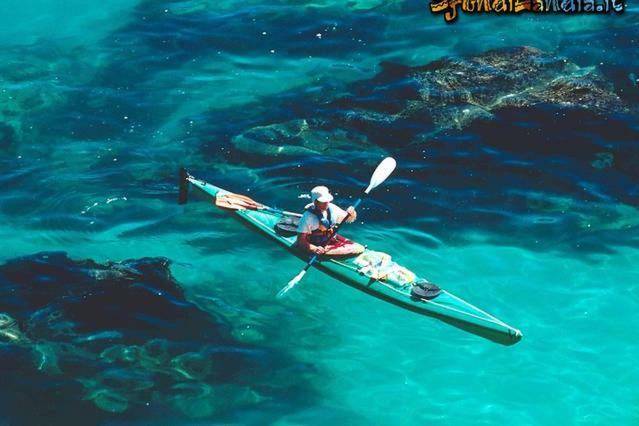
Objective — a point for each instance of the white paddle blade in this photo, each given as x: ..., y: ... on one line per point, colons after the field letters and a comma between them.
x: 382, y: 172
x: 291, y: 284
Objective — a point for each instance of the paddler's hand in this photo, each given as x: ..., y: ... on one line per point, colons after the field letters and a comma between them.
x: 352, y: 214
x: 319, y: 250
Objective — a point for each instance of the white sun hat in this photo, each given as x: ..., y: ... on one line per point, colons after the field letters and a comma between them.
x: 321, y: 194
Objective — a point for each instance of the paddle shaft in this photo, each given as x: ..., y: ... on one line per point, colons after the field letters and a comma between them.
x: 381, y: 173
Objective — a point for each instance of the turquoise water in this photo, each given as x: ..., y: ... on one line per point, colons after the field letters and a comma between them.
x: 538, y: 227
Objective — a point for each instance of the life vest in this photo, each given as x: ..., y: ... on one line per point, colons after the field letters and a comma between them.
x: 323, y: 234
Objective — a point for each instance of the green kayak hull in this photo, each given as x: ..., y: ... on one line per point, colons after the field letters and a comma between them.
x: 445, y: 307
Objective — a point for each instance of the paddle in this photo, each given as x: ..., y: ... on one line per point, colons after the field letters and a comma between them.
x: 184, y: 186
x: 381, y: 173
x: 227, y: 200
x: 232, y: 201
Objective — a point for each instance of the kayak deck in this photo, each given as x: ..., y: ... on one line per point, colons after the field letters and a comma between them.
x: 445, y: 306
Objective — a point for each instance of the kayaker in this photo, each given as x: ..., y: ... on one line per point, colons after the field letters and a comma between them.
x: 315, y: 229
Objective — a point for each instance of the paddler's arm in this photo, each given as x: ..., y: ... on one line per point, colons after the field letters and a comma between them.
x: 350, y: 215
x: 304, y: 242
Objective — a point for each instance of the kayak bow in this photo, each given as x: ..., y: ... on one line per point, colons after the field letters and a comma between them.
x: 444, y: 306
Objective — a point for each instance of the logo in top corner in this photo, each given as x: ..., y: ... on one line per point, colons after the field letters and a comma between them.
x: 452, y: 8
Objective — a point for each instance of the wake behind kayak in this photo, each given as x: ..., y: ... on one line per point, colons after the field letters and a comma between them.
x: 371, y: 272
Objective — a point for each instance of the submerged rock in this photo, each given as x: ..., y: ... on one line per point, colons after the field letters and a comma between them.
x: 9, y: 331
x: 121, y: 336
x: 7, y: 135
x: 403, y: 105
x: 297, y: 137
x: 462, y: 87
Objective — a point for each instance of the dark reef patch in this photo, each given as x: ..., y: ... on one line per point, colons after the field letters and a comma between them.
x: 78, y: 338
x: 405, y: 105
x: 7, y: 135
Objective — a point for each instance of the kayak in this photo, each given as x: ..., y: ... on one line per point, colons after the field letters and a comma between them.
x: 371, y: 272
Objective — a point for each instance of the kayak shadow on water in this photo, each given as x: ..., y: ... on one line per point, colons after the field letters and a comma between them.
x: 96, y: 342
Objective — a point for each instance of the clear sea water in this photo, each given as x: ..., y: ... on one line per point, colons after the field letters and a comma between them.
x: 100, y: 104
